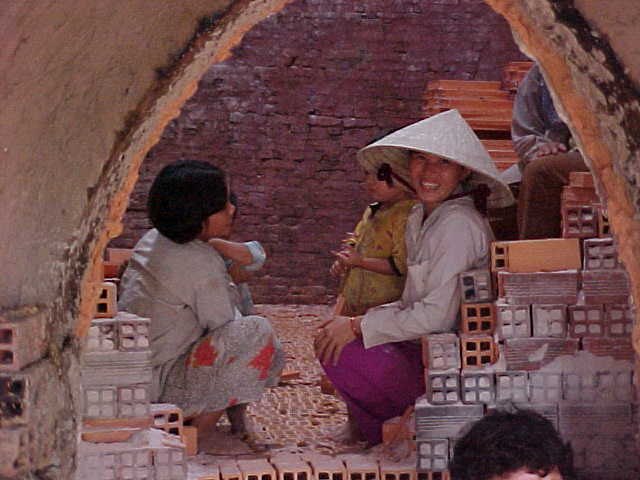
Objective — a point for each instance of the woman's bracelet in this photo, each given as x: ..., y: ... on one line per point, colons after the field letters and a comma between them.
x: 354, y: 327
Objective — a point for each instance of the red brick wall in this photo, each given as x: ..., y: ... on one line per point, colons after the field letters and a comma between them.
x: 305, y: 90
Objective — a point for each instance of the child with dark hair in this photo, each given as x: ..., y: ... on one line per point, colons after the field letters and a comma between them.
x: 206, y: 356
x: 512, y: 446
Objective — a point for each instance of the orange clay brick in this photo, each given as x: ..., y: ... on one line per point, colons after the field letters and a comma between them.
x: 23, y: 338
x: 478, y: 351
x: 256, y: 469
x: 478, y: 318
x: 168, y: 417
x: 527, y: 256
x: 190, y: 440
x: 326, y: 467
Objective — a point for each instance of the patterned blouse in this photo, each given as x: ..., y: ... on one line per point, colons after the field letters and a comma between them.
x: 380, y: 234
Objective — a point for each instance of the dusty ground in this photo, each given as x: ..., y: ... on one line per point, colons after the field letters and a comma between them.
x: 294, y: 417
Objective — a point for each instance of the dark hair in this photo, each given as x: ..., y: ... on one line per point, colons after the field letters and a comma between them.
x: 504, y: 442
x: 183, y: 195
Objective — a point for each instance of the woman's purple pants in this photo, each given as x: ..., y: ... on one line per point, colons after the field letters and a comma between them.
x: 377, y: 383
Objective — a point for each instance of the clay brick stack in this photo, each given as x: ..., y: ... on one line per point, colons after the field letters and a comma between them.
x: 117, y: 441
x: 486, y: 106
x: 22, y: 342
x: 561, y: 326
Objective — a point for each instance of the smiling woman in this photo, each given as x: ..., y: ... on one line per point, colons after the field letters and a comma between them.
x: 374, y: 361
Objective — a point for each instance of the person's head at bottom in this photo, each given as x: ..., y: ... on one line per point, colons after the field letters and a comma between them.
x: 520, y: 445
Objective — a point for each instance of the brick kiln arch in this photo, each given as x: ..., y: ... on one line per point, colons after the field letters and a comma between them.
x: 60, y: 155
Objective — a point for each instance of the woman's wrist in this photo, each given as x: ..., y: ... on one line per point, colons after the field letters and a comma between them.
x: 354, y: 322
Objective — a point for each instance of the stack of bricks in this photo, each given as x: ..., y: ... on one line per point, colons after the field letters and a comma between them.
x: 583, y: 215
x: 561, y: 328
x: 117, y: 441
x: 459, y: 375
x: 308, y: 466
x: 486, y: 106
x: 565, y: 322
x: 23, y: 341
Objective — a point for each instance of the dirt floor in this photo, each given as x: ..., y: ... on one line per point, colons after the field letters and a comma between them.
x: 294, y: 417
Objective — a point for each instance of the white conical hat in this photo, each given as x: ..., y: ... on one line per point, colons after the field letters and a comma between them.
x: 449, y: 136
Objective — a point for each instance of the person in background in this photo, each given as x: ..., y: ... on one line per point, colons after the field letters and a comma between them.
x: 374, y: 361
x: 520, y: 445
x: 547, y: 156
x: 207, y: 358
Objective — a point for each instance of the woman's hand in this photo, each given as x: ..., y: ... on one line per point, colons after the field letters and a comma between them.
x: 332, y: 336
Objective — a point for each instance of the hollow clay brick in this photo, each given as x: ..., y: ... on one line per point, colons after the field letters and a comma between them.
x: 513, y: 321
x: 618, y: 320
x: 443, y: 388
x: 545, y: 387
x: 476, y: 286
x: 404, y: 469
x: 586, y: 321
x: 434, y: 476
x: 106, y: 301
x: 23, y: 338
x: 433, y: 454
x: 539, y: 288
x: 527, y: 256
x: 534, y: 353
x: 14, y: 399
x: 598, y: 387
x: 326, y: 467
x: 441, y: 352
x: 168, y: 418
x: 579, y: 220
x: 361, y: 467
x: 512, y: 386
x: 605, y: 286
x: 256, y: 469
x: 600, y: 254
x: 291, y: 467
x: 229, y: 470
x: 477, y: 388
x: 478, y: 351
x: 549, y: 320
x: 478, y: 318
